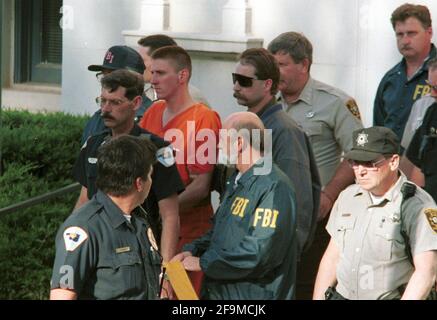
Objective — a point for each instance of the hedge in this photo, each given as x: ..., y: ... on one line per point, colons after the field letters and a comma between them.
x: 38, y: 152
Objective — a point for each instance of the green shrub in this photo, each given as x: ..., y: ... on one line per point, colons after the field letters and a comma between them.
x: 39, y: 151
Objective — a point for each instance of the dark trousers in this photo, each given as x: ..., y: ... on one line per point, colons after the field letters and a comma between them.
x: 309, y: 263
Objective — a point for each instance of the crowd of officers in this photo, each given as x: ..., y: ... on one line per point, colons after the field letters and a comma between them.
x: 312, y: 204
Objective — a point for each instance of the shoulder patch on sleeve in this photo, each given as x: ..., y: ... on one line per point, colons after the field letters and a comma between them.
x: 353, y: 108
x: 431, y: 215
x: 74, y: 237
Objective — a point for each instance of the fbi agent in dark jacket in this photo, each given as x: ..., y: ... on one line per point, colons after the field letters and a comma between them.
x: 251, y: 251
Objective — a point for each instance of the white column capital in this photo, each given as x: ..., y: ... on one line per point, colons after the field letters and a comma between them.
x: 237, y: 18
x: 155, y: 15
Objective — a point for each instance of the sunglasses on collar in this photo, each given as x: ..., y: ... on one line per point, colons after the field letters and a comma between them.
x: 243, y: 81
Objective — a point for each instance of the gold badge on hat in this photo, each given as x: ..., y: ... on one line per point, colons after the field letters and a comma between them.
x: 431, y: 215
x: 152, y: 239
x: 362, y: 139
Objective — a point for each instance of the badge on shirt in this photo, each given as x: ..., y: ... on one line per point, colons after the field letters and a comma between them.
x: 310, y: 115
x: 431, y: 214
x: 165, y: 156
x: 92, y: 160
x: 395, y: 217
x: 353, y: 108
x: 74, y: 237
x: 152, y: 239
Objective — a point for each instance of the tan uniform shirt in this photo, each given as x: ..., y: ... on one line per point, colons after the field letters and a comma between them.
x: 326, y: 114
x: 373, y: 260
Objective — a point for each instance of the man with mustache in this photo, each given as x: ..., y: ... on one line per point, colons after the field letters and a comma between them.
x: 256, y: 79
x: 117, y: 57
x: 119, y: 100
x: 405, y: 83
x: 383, y: 229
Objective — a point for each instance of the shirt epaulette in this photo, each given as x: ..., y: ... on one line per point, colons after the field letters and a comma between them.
x: 85, y: 213
x: 331, y: 90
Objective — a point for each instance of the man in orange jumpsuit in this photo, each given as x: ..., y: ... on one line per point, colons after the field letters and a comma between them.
x: 193, y: 129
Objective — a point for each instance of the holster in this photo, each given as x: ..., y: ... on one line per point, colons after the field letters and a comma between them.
x: 332, y: 294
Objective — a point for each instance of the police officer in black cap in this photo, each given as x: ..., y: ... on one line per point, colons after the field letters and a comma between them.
x: 117, y: 57
x: 106, y: 250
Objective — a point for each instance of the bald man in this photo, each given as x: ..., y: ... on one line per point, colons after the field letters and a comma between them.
x: 250, y: 253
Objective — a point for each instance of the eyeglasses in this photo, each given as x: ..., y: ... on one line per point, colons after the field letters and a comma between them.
x: 433, y: 87
x: 113, y: 103
x: 368, y: 165
x: 245, y: 82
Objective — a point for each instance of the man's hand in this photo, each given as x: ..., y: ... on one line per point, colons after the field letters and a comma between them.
x: 325, y: 206
x: 62, y: 294
x: 192, y: 263
x: 181, y: 256
x: 167, y: 291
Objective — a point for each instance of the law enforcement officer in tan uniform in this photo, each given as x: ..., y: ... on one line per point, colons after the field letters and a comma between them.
x: 383, y: 229
x: 328, y: 116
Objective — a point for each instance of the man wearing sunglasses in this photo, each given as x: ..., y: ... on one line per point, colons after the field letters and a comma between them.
x: 422, y: 150
x: 256, y: 81
x: 383, y: 229
x: 328, y: 116
x: 119, y: 100
x: 117, y: 57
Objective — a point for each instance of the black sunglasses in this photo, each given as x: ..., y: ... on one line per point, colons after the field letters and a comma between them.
x: 245, y: 82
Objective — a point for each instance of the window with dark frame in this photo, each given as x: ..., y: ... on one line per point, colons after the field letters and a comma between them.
x: 38, y: 41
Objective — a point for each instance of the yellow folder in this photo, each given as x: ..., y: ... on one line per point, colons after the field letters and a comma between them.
x: 180, y: 281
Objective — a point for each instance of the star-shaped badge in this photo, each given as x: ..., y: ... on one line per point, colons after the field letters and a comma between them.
x: 362, y: 139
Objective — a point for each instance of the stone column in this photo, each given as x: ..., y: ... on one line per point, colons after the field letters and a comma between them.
x: 155, y: 15
x: 237, y: 18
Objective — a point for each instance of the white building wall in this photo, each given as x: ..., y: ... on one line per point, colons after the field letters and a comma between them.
x: 354, y: 44
x: 96, y: 26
